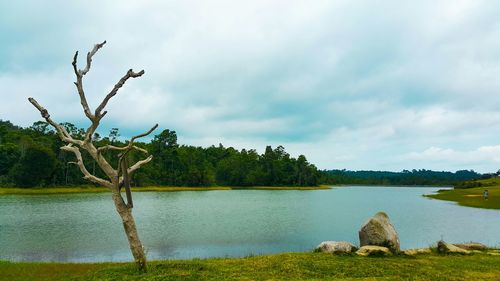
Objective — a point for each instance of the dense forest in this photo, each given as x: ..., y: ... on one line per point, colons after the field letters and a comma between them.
x: 31, y: 157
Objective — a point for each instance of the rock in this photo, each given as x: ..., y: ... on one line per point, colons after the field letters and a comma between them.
x: 334, y: 247
x: 446, y: 248
x: 371, y: 250
x: 412, y: 252
x: 472, y: 246
x: 379, y: 231
x: 493, y: 252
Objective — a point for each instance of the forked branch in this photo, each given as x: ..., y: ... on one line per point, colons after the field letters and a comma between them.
x: 86, y: 174
x: 130, y: 145
x: 79, y: 78
x: 126, y: 149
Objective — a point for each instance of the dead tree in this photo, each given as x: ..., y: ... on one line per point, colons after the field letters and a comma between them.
x: 116, y: 177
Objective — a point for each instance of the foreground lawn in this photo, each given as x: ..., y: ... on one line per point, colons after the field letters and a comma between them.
x: 288, y: 266
x: 92, y: 189
x: 472, y: 197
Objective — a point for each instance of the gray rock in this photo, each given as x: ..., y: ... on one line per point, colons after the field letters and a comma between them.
x: 379, y: 231
x: 371, y: 250
x: 493, y: 252
x: 334, y: 247
x: 413, y: 252
x: 472, y: 246
x: 447, y: 248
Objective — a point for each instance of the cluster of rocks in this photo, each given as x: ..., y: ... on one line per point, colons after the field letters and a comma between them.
x: 378, y: 237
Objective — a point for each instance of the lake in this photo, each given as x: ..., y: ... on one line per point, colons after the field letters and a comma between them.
x: 189, y: 224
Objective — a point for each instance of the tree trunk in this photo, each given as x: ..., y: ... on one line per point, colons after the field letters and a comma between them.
x: 130, y: 230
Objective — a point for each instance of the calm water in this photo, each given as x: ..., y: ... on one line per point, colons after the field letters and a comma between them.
x: 172, y: 225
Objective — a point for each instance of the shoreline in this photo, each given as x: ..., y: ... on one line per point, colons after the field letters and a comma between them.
x: 92, y: 189
x: 470, y: 197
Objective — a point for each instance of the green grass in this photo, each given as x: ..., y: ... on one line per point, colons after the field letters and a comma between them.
x: 473, y: 197
x: 92, y: 189
x: 287, y: 266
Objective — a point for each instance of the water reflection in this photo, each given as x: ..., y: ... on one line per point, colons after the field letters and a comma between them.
x: 85, y: 227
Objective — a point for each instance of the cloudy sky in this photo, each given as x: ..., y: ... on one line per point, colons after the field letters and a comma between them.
x: 382, y: 85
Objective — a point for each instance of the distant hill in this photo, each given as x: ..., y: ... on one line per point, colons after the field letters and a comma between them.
x: 486, y: 180
x: 405, y: 177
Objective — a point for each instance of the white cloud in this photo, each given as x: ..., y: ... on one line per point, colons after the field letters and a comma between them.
x: 351, y: 84
x: 484, y: 155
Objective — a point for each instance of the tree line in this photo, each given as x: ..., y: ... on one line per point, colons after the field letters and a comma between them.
x: 31, y: 157
x: 405, y: 177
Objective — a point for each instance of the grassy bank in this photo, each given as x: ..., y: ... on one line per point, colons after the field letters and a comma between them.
x: 92, y: 189
x: 473, y: 197
x: 288, y: 266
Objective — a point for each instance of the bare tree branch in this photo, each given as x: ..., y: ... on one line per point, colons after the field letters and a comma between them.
x: 112, y: 147
x: 75, y: 67
x: 130, y: 74
x: 79, y: 87
x: 93, y: 127
x: 61, y: 131
x: 79, y: 78
x: 143, y: 134
x: 126, y: 181
x: 139, y: 164
x: 89, y: 57
x: 129, y: 146
x: 86, y: 174
x: 126, y: 150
